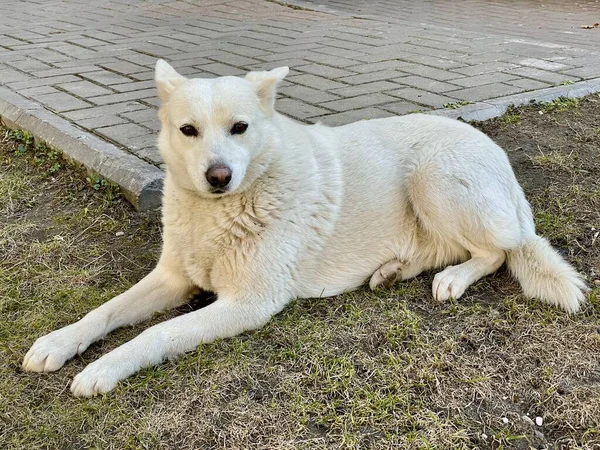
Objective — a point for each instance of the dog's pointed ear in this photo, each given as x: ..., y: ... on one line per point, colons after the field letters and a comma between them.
x: 166, y: 79
x: 265, y: 84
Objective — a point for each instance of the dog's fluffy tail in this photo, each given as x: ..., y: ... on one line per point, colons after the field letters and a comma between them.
x: 544, y: 274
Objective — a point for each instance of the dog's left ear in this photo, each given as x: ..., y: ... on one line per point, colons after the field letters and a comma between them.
x: 265, y: 84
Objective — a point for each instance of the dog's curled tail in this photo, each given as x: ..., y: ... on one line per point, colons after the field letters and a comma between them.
x: 544, y: 274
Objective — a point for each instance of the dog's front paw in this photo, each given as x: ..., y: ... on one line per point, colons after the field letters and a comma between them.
x: 50, y: 352
x: 96, y: 378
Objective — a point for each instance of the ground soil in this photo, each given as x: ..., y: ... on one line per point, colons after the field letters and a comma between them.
x: 387, y: 369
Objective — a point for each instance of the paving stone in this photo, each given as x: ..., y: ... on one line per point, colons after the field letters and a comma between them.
x: 141, y: 115
x: 29, y: 65
x: 297, y: 109
x: 106, y: 77
x: 485, y: 92
x: 428, y: 72
x: 35, y: 82
x: 129, y: 134
x: 422, y: 97
x: 400, y: 108
x: 361, y: 89
x: 335, y: 61
x: 221, y: 69
x: 150, y: 154
x: 234, y: 60
x: 542, y: 64
x: 133, y: 85
x: 351, y: 116
x: 377, y: 67
x: 525, y: 83
x: 315, y: 82
x: 85, y: 89
x: 37, y: 91
x: 542, y: 75
x: 324, y: 71
x: 124, y: 67
x: 589, y: 71
x: 98, y: 111
x: 10, y: 75
x: 370, y: 77
x: 124, y: 97
x: 307, y: 94
x: 488, y: 78
x: 64, y: 71
x: 102, y: 121
x: 426, y: 84
x: 341, y: 52
x: 481, y: 69
x: 361, y: 101
x: 438, y: 63
x: 61, y: 102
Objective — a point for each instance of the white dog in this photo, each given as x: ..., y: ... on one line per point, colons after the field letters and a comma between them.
x: 261, y: 210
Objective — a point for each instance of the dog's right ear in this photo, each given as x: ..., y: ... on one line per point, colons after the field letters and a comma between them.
x: 265, y: 84
x: 166, y: 79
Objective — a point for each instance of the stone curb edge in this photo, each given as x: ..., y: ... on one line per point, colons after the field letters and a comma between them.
x: 496, y: 107
x: 140, y: 181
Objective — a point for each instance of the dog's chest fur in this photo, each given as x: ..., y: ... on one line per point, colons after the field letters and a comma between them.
x: 213, y: 238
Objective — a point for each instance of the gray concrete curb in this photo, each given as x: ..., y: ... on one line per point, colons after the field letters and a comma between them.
x: 496, y: 107
x: 141, y: 182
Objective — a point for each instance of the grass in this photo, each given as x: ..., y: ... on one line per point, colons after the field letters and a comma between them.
x: 561, y: 104
x: 385, y: 369
x: 511, y: 117
x: 456, y: 105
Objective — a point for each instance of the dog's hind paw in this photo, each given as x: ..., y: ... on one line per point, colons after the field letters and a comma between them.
x: 386, y: 275
x: 451, y: 282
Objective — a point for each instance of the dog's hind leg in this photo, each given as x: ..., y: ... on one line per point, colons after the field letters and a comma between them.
x: 471, y: 213
x: 161, y: 289
x: 454, y: 280
x: 392, y: 271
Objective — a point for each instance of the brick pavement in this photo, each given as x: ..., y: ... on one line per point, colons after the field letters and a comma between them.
x: 92, y: 63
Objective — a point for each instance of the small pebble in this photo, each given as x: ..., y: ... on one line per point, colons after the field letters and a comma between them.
x: 119, y: 233
x: 597, y: 282
x: 483, y: 436
x: 504, y: 420
x: 527, y: 420
x: 539, y: 421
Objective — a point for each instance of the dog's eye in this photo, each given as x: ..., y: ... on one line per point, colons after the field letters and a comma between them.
x: 189, y: 130
x: 239, y: 128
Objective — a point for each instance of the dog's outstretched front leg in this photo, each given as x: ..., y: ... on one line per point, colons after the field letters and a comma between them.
x: 224, y: 318
x: 161, y: 289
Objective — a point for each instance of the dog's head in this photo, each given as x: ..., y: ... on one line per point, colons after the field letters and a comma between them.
x: 216, y: 134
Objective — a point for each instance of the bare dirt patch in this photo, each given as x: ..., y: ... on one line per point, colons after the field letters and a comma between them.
x: 364, y: 370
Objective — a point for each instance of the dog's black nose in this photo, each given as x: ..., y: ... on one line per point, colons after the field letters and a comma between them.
x: 218, y: 175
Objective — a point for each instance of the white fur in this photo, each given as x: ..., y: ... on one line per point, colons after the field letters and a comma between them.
x: 311, y: 211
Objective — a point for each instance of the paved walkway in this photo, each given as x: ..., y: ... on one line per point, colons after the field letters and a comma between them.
x: 92, y: 62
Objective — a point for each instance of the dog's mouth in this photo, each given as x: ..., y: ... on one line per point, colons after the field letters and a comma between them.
x: 218, y: 191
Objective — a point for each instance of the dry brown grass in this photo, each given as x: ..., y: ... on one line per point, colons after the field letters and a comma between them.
x: 364, y: 370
